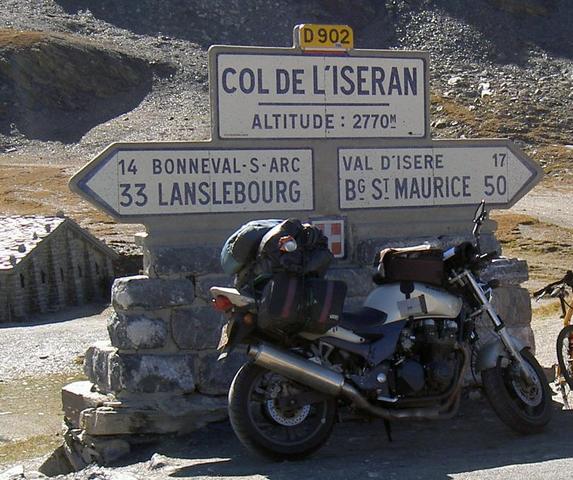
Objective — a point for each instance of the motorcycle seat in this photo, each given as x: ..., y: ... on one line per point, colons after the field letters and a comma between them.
x: 366, y: 322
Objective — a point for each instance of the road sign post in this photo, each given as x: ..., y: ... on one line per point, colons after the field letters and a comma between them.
x: 319, y: 129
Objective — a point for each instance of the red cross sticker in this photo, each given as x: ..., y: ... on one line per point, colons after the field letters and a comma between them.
x: 334, y: 231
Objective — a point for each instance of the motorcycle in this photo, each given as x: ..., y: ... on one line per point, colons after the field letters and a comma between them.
x: 403, y: 355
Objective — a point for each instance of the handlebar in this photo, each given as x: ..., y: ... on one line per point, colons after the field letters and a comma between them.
x: 467, y: 254
x: 548, y: 289
x: 484, y: 257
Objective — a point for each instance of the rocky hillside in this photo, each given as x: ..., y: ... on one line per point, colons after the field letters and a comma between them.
x: 56, y: 86
x: 109, y: 70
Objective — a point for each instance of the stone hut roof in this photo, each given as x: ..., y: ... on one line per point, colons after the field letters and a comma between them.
x: 20, y: 235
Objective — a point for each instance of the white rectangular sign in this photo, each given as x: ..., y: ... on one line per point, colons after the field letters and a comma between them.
x: 413, y: 177
x: 173, y: 181
x: 297, y: 96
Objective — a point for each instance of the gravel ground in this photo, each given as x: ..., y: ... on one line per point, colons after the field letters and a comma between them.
x: 51, y: 343
x: 541, y: 203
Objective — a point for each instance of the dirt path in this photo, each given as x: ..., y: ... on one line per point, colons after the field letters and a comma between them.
x: 550, y: 203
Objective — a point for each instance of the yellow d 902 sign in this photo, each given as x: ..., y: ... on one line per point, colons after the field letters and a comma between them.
x: 325, y: 37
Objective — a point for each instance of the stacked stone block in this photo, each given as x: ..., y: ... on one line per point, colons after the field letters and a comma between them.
x: 158, y: 373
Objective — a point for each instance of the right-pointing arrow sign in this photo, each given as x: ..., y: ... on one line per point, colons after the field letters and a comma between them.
x: 446, y: 172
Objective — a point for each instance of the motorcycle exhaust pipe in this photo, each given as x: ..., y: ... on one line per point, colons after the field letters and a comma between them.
x: 334, y: 384
x: 297, y: 369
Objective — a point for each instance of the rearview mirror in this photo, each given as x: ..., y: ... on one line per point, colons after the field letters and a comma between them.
x: 480, y: 213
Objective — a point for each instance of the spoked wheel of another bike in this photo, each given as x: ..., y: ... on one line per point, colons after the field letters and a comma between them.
x: 564, y: 377
x: 278, y: 418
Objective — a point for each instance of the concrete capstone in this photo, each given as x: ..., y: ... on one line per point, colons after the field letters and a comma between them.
x: 182, y: 262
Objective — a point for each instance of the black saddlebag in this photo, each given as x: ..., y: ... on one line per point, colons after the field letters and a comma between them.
x: 324, y: 304
x: 282, y: 304
x: 291, y: 303
x: 420, y: 264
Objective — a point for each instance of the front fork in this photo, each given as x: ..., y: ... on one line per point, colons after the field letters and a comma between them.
x: 499, y: 326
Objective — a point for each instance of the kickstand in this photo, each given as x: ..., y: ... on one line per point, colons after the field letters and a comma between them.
x: 388, y: 427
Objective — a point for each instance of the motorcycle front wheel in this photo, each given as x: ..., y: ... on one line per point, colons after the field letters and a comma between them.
x: 565, y: 354
x: 277, y: 418
x: 526, y: 408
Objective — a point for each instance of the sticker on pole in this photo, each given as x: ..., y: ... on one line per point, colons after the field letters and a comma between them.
x: 333, y: 229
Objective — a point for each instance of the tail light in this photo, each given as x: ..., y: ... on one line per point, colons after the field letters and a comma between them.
x: 221, y: 303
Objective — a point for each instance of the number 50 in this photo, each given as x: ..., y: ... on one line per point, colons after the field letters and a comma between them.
x: 495, y: 185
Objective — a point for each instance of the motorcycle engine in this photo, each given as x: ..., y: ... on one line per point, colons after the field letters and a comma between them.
x: 426, y: 362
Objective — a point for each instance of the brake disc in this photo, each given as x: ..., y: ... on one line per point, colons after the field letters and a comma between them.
x: 287, y: 417
x: 528, y: 394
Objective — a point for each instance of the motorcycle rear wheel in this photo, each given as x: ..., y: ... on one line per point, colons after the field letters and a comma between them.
x: 524, y: 408
x: 266, y: 427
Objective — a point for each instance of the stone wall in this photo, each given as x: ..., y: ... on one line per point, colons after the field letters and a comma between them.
x: 158, y: 373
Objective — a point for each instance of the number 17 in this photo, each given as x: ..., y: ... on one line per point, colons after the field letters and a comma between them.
x: 499, y: 159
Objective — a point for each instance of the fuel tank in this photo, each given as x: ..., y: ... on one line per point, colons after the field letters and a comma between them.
x: 424, y: 301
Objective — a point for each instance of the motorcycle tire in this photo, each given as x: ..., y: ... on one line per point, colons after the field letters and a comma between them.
x: 269, y: 429
x: 525, y: 409
x: 565, y: 354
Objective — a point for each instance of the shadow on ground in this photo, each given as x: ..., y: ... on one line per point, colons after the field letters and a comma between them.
x: 70, y: 313
x: 475, y: 440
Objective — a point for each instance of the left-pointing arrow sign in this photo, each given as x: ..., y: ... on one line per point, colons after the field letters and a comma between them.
x: 135, y: 180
